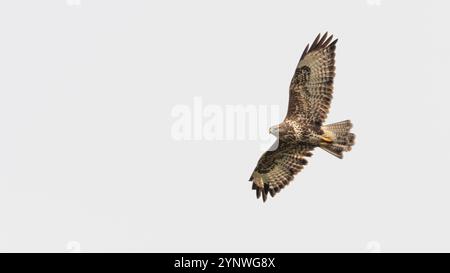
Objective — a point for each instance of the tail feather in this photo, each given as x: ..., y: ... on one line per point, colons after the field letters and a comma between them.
x: 343, y: 139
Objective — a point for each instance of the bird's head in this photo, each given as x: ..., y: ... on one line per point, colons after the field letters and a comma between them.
x: 280, y: 131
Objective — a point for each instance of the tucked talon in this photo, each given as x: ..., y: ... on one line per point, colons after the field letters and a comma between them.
x: 326, y: 139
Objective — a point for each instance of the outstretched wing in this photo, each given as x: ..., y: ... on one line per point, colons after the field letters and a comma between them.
x: 311, y: 88
x: 276, y: 168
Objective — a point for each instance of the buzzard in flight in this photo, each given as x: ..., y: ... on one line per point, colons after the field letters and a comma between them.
x: 303, y: 130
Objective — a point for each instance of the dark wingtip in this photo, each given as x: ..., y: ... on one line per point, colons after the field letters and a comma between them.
x: 334, y: 42
x: 258, y: 193
x: 328, y: 40
x: 325, y: 42
x: 265, y: 192
x: 319, y: 43
x: 305, y: 52
x: 314, y: 44
x: 322, y: 40
x: 272, y: 192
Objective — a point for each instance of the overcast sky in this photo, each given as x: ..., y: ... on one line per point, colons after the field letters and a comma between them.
x: 89, y: 162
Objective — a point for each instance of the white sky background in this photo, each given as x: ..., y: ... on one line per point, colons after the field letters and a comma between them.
x: 86, y: 153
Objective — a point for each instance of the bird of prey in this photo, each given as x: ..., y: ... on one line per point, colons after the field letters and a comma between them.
x: 302, y: 130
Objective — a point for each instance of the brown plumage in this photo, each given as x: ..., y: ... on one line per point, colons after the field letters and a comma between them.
x: 302, y: 130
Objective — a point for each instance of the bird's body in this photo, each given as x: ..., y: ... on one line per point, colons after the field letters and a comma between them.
x: 302, y: 130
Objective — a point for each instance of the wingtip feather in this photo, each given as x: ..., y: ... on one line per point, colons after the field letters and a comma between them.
x: 319, y: 43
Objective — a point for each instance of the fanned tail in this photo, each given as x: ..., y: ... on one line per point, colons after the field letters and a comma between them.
x: 342, y: 138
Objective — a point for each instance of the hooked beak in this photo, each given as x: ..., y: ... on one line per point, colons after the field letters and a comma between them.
x: 273, y: 130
